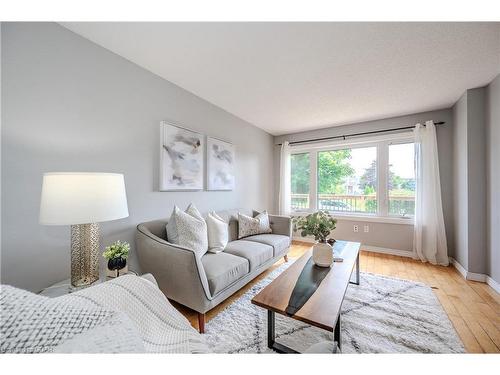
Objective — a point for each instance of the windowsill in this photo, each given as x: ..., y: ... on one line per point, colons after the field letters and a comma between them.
x: 368, y: 218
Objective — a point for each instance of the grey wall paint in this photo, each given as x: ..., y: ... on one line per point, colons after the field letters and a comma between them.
x: 493, y: 178
x: 392, y: 236
x: 384, y: 235
x: 476, y: 171
x: 461, y: 188
x: 0, y: 147
x: 70, y: 105
x: 470, y: 180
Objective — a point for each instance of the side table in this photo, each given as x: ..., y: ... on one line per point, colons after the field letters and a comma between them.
x: 64, y: 287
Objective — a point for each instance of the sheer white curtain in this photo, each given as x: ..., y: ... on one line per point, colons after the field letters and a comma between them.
x: 285, y: 180
x: 429, y: 242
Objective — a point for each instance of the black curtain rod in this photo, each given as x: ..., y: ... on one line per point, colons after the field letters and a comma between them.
x: 356, y: 134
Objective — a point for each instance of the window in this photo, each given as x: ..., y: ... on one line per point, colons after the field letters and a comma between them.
x: 401, y: 183
x: 347, y: 180
x: 300, y: 175
x: 369, y: 177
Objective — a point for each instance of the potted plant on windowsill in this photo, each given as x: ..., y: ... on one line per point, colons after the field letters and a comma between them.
x: 319, y: 225
x: 117, y: 254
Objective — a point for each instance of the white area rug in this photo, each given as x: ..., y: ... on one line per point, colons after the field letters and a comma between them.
x: 382, y: 315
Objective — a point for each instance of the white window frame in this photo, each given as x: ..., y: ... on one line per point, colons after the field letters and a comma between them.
x: 396, y: 142
x: 382, y: 145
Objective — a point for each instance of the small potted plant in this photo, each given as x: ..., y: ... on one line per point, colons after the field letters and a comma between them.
x: 117, y: 254
x: 319, y: 225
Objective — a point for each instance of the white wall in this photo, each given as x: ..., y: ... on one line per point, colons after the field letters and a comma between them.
x: 392, y: 236
x: 70, y: 105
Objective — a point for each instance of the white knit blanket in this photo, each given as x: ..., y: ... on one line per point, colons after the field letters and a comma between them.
x: 162, y: 328
x: 87, y: 320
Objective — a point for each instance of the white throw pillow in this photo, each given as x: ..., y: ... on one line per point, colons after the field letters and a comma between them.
x: 250, y: 226
x: 264, y: 226
x: 188, y: 229
x: 218, y: 233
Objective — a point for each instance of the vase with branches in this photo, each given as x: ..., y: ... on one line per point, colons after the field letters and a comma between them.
x: 320, y: 225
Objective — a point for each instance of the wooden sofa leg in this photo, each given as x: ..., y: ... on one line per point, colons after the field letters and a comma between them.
x: 201, y: 322
x: 286, y: 258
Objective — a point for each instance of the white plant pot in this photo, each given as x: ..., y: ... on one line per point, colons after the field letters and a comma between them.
x: 322, y: 254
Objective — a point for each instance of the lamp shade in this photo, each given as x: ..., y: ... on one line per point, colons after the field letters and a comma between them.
x: 80, y: 198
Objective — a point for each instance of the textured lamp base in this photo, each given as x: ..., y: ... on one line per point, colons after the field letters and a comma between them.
x: 84, y: 254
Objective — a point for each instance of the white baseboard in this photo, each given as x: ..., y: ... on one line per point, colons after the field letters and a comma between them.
x: 373, y: 249
x: 303, y: 239
x: 481, y: 277
x: 461, y: 270
x: 385, y: 250
x: 495, y: 285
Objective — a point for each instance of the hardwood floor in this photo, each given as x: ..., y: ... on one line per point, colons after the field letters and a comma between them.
x: 473, y: 307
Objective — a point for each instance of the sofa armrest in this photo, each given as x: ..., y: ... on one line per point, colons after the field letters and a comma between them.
x: 178, y: 271
x: 150, y: 278
x: 281, y: 225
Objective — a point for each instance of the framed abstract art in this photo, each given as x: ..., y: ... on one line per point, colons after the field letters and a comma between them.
x: 181, y: 158
x: 220, y: 164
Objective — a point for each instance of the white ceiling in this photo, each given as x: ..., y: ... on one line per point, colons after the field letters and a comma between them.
x: 289, y: 77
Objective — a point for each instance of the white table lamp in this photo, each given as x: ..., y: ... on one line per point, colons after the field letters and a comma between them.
x: 82, y: 200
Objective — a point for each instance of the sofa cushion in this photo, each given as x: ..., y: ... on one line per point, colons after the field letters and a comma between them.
x: 256, y: 253
x: 223, y: 269
x: 279, y: 242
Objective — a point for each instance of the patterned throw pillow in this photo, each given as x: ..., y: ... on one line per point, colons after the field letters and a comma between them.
x: 250, y: 226
x: 188, y: 229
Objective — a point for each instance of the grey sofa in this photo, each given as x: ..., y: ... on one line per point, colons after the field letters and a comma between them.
x: 203, y: 283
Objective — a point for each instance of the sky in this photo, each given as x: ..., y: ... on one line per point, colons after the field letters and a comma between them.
x: 400, y: 157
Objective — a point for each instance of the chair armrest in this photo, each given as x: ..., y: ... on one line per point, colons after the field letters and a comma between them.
x: 281, y: 225
x: 178, y: 271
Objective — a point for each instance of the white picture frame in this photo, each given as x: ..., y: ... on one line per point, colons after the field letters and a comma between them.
x: 221, y: 162
x: 181, y: 158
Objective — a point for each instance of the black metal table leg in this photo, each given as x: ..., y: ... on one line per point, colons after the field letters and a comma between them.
x: 270, y: 329
x: 271, y: 336
x: 336, y: 336
x: 357, y: 272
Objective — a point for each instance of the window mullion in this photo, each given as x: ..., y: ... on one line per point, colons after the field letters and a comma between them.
x: 382, y: 177
x: 313, y: 182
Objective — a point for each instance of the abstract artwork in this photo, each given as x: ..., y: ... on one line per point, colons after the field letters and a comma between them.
x: 182, y: 157
x: 220, y: 160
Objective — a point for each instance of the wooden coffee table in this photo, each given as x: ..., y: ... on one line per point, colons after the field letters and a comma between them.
x: 323, y: 308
